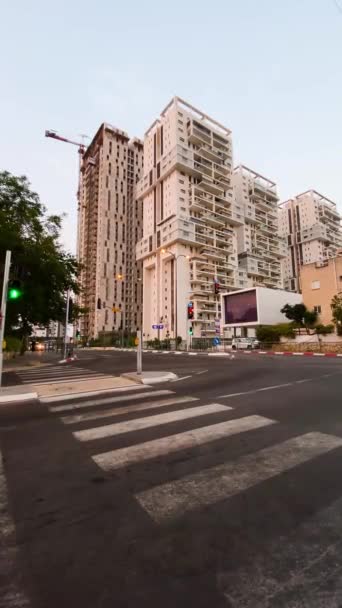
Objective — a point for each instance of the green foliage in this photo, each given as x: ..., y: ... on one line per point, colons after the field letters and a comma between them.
x: 295, y: 313
x: 324, y: 330
x: 13, y: 345
x: 310, y: 319
x: 287, y: 330
x: 45, y: 270
x: 268, y: 333
x: 336, y: 309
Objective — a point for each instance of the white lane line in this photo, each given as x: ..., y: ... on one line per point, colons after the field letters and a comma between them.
x: 182, y: 378
x: 212, y: 485
x: 77, y: 406
x: 149, y: 405
x: 115, y: 459
x: 255, y: 390
x: 11, y: 594
x: 285, y: 570
x: 202, y: 372
x: 120, y: 389
x: 302, y: 381
x: 193, y: 354
x: 118, y: 428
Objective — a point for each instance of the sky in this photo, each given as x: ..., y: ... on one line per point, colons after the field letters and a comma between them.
x: 270, y: 70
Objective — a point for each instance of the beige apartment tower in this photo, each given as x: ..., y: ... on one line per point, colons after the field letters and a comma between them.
x: 260, y: 248
x: 109, y: 226
x: 311, y: 225
x: 190, y: 217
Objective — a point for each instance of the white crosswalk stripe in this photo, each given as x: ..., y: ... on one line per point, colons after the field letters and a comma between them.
x: 215, y: 484
x: 151, y: 421
x: 115, y: 459
x: 211, y: 483
x: 57, y: 375
x: 71, y: 419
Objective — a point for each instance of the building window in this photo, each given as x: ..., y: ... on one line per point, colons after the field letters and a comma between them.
x: 315, y: 285
x: 318, y: 309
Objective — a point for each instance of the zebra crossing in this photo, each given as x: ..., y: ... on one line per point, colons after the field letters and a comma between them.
x: 130, y: 415
x: 52, y: 374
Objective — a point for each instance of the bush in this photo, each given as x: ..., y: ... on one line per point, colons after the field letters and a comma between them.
x: 13, y: 345
x: 324, y: 330
x: 286, y: 329
x: 268, y: 333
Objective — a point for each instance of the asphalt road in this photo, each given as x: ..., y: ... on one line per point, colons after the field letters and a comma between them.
x: 223, y: 489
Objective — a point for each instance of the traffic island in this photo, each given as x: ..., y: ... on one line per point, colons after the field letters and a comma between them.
x: 150, y: 377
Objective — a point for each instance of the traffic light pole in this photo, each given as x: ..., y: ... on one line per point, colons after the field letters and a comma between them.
x: 3, y: 309
x: 66, y: 324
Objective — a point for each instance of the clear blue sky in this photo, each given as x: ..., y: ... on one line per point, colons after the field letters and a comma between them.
x: 270, y: 70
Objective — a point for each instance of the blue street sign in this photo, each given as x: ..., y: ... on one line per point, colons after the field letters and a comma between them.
x: 159, y: 326
x: 216, y: 341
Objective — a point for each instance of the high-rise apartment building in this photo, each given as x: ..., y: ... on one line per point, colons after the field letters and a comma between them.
x: 189, y: 239
x: 311, y: 225
x: 260, y: 248
x: 109, y: 226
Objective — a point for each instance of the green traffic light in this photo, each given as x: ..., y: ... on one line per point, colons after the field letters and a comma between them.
x: 13, y: 294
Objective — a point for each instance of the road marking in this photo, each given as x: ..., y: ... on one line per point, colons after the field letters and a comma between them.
x: 182, y: 378
x: 255, y: 390
x: 155, y: 420
x: 78, y: 406
x: 193, y: 354
x: 218, y: 483
x: 202, y: 372
x: 115, y: 459
x: 128, y: 409
x: 11, y: 594
x: 287, y: 568
x: 120, y: 389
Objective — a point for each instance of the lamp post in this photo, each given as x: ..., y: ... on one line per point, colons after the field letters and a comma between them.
x: 175, y: 257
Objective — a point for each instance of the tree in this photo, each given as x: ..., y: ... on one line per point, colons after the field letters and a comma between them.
x: 45, y: 270
x: 336, y: 309
x: 295, y: 313
x: 300, y: 315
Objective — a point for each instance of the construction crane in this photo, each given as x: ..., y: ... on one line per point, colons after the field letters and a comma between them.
x: 81, y: 146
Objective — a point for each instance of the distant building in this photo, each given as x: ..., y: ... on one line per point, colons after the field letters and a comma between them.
x: 311, y: 225
x: 109, y: 226
x: 189, y: 239
x: 320, y: 282
x: 260, y: 248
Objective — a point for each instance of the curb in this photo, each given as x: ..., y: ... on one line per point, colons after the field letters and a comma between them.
x: 289, y: 353
x: 166, y: 377
x: 17, y: 397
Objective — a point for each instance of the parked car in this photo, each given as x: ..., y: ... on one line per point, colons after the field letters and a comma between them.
x: 245, y: 343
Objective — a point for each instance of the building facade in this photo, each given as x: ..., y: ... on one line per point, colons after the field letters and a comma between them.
x: 109, y: 226
x: 320, y: 282
x: 311, y: 225
x: 260, y: 248
x: 189, y: 242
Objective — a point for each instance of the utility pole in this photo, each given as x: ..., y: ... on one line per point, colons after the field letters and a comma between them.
x: 3, y: 308
x: 139, y: 351
x: 66, y: 324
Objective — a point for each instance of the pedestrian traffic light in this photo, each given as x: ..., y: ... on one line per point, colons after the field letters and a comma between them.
x: 78, y: 334
x: 190, y: 310
x: 191, y: 331
x: 217, y: 287
x: 15, y: 290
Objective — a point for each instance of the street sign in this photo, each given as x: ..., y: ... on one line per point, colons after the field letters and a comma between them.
x: 158, y: 326
x: 114, y: 309
x: 216, y: 341
x: 136, y: 341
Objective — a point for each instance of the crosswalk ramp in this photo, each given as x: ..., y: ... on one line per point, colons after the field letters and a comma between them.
x: 148, y: 427
x: 57, y: 374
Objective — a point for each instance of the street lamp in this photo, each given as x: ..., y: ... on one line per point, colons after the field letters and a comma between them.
x: 175, y: 257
